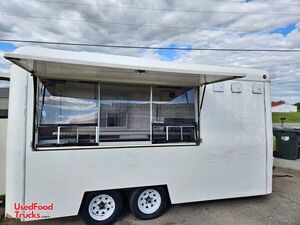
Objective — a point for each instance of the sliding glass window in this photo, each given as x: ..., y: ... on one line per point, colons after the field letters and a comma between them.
x: 67, y: 113
x: 125, y: 112
x: 79, y: 113
x: 173, y: 114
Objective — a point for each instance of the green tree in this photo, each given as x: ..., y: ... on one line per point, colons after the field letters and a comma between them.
x: 298, y: 106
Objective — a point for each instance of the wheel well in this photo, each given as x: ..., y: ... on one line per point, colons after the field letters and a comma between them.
x: 167, y: 191
x: 124, y: 192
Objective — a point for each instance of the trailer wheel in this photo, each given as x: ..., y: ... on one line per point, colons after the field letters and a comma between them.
x: 101, y: 208
x: 148, y: 202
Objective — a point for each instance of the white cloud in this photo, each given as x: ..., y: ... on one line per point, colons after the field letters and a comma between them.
x: 4, y: 65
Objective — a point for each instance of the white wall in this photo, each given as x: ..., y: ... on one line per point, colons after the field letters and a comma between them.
x: 3, y: 130
x: 231, y: 161
x: 284, y: 108
x: 16, y: 133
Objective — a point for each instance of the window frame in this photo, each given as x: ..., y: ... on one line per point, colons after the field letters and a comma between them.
x: 167, y: 126
x: 37, y: 119
x: 112, y: 144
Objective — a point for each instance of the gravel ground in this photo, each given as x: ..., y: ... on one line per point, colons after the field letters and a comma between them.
x: 282, y: 207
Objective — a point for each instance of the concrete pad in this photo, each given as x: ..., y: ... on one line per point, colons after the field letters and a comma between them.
x: 287, y: 164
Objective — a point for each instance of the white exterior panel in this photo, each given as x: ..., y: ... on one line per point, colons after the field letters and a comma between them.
x: 16, y: 133
x: 269, y: 134
x: 230, y: 162
x: 3, y: 132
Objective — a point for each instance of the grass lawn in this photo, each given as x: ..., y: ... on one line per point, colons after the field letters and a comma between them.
x: 291, y: 117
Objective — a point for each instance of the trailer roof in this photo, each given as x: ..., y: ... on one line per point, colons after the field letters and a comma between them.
x: 53, y: 63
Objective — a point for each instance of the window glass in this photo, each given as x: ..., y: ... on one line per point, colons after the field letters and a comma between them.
x: 67, y: 112
x: 173, y: 114
x: 125, y: 112
x: 4, y: 91
x: 70, y: 113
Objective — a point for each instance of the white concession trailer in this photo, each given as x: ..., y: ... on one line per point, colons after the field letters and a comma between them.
x: 85, y: 129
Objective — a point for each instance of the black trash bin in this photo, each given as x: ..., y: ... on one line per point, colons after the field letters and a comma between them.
x: 287, y: 142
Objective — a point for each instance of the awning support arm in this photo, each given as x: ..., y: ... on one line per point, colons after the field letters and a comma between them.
x: 203, y: 93
x: 202, y: 99
x: 43, y: 104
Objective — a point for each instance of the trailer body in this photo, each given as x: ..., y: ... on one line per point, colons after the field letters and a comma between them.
x: 230, y: 155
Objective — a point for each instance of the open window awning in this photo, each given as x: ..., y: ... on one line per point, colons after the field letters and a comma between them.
x: 61, y: 64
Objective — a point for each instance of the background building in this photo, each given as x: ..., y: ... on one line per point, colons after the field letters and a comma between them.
x: 283, y: 107
x: 4, y: 89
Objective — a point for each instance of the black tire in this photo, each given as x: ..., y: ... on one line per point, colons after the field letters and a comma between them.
x: 276, y: 154
x: 133, y: 203
x: 88, y: 217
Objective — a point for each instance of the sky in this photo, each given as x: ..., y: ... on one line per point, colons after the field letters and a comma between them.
x: 168, y: 23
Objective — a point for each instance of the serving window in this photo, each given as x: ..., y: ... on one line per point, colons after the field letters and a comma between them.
x: 67, y: 113
x: 125, y: 113
x: 79, y: 113
x: 173, y: 114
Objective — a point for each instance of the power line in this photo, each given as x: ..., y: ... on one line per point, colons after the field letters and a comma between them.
x: 150, y: 25
x: 151, y: 48
x: 197, y: 11
x: 135, y: 7
x: 131, y: 24
x: 257, y: 2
